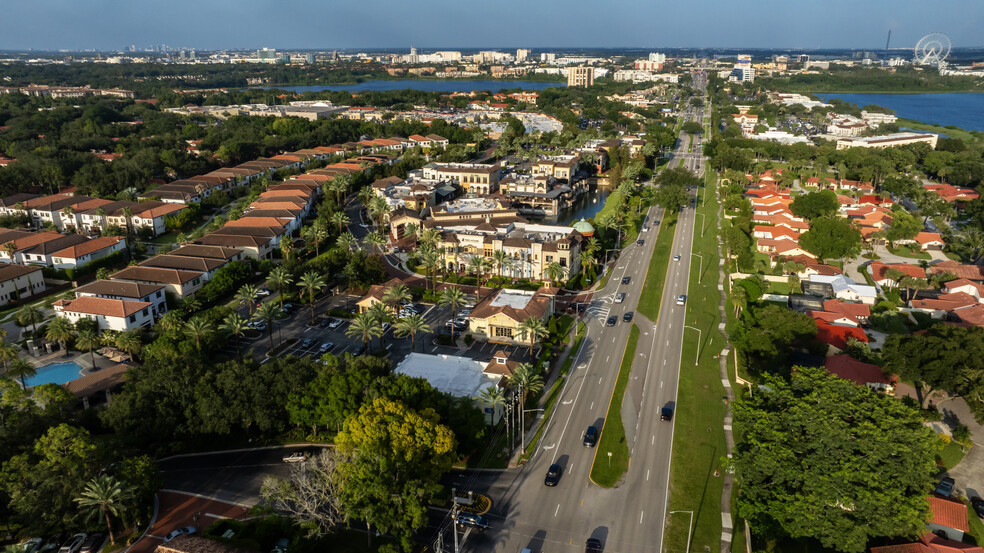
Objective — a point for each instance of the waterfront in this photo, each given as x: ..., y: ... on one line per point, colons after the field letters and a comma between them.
x: 961, y: 109
x: 584, y: 208
x: 447, y: 85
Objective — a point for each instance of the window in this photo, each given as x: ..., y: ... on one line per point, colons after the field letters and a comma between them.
x: 549, y: 258
x: 144, y: 312
x: 158, y: 294
x: 133, y: 318
x: 503, y: 332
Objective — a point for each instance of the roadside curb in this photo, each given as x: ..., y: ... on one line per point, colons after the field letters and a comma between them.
x: 240, y: 450
x: 208, y: 497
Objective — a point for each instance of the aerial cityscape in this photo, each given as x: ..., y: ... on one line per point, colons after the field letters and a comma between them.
x: 527, y: 278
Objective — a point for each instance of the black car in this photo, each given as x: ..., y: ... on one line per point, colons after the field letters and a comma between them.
x: 553, y: 475
x: 593, y: 545
x: 627, y: 317
x: 978, y: 504
x: 626, y: 280
x: 666, y: 413
x: 324, y: 322
x: 308, y: 342
x: 475, y: 521
x: 640, y: 242
x: 591, y: 436
x: 611, y: 321
x: 92, y: 543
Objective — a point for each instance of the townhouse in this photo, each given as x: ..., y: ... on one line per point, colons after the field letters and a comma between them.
x: 252, y: 246
x: 205, y: 266
x: 182, y: 283
x: 154, y: 294
x: 18, y: 282
x: 109, y: 314
x: 81, y: 254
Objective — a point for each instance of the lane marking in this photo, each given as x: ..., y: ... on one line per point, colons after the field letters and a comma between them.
x: 647, y: 474
x: 592, y: 406
x: 641, y: 514
x: 557, y: 510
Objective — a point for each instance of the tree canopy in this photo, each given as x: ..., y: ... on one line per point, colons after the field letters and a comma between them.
x: 815, y: 204
x: 831, y: 238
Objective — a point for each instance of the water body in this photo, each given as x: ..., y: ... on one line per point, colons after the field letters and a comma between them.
x: 585, y: 208
x: 960, y: 109
x: 449, y: 85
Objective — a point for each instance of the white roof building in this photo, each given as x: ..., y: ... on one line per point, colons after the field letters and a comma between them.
x: 458, y: 376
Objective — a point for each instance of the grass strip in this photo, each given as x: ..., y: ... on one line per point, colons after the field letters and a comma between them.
x: 652, y: 292
x: 607, y: 470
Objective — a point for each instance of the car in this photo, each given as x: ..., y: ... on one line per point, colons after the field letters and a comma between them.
x: 324, y: 323
x: 666, y: 413
x: 620, y: 297
x: 681, y: 299
x: 326, y: 347
x: 335, y: 323
x: 645, y: 229
x: 52, y: 543
x: 281, y: 546
x: 590, y: 436
x: 553, y: 475
x: 92, y: 544
x: 180, y: 532
x: 263, y: 292
x: 287, y: 308
x: 978, y: 504
x: 611, y: 321
x: 385, y: 327
x: 295, y: 457
x: 593, y: 545
x: 308, y: 342
x: 626, y: 280
x: 627, y: 317
x: 258, y: 325
x: 73, y: 544
x: 471, y: 519
x: 640, y: 242
x: 469, y: 305
x: 676, y: 258
x: 945, y: 486
x: 30, y: 546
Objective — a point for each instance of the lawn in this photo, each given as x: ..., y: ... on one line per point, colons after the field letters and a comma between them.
x: 698, y: 436
x: 607, y: 470
x: 951, y: 455
x: 782, y: 288
x: 652, y: 292
x: 950, y: 132
x: 909, y: 251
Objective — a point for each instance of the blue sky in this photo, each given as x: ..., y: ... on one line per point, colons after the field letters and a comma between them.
x: 329, y: 24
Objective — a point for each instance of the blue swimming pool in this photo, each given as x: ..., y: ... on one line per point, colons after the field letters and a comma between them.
x: 55, y: 373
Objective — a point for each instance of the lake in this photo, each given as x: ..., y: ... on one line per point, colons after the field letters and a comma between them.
x: 450, y: 85
x: 961, y: 109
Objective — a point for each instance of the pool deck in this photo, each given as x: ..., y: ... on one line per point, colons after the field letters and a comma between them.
x: 82, y: 358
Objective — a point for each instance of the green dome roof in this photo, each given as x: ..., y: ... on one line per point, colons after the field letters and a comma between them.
x: 583, y: 226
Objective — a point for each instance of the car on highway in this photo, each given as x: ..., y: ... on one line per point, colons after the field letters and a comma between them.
x: 640, y: 242
x: 620, y: 297
x: 945, y: 486
x: 666, y: 413
x: 676, y: 258
x: 471, y: 519
x: 681, y: 299
x: 295, y: 457
x: 326, y: 347
x: 593, y: 545
x: 180, y: 532
x: 92, y: 544
x: 626, y: 280
x: 590, y: 436
x: 308, y: 342
x: 627, y: 317
x: 335, y: 323
x: 553, y: 475
x: 73, y: 544
x: 978, y: 504
x: 611, y: 321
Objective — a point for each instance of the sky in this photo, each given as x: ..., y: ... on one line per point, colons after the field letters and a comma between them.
x: 430, y: 24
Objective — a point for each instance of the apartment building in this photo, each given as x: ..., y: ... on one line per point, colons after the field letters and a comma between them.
x: 580, y: 76
x: 477, y: 179
x: 181, y: 283
x: 18, y: 282
x: 81, y: 254
x: 129, y: 291
x: 888, y: 140
x: 109, y: 314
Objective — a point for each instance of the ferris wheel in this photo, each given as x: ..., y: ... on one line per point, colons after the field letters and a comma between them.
x: 932, y: 49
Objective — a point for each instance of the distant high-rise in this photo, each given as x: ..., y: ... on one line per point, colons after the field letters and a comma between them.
x: 267, y: 55
x: 522, y: 54
x: 657, y: 58
x: 743, y: 71
x: 309, y: 58
x: 580, y: 76
x: 547, y: 56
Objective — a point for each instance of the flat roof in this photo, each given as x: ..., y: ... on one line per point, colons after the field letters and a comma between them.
x: 517, y: 299
x: 458, y: 376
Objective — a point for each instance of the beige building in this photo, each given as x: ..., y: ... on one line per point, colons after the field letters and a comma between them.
x: 476, y: 179
x: 888, y: 140
x: 580, y: 76
x: 498, y: 316
x: 19, y: 281
x: 530, y: 248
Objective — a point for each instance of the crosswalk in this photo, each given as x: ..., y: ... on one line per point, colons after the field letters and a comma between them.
x: 599, y: 311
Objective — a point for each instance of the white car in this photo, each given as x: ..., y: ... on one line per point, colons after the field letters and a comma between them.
x: 681, y: 299
x: 180, y: 532
x: 335, y: 323
x: 620, y: 297
x: 294, y: 457
x: 676, y: 258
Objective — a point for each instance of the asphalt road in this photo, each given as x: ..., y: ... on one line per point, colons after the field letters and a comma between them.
x: 630, y: 516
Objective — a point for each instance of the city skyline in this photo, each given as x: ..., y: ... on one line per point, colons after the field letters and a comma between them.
x: 225, y: 24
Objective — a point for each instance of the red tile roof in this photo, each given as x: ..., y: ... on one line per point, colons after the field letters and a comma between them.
x: 847, y: 308
x: 106, y: 307
x: 837, y: 335
x: 949, y: 513
x: 859, y: 372
x: 85, y: 248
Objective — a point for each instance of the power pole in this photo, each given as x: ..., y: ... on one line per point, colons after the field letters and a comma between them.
x: 454, y: 518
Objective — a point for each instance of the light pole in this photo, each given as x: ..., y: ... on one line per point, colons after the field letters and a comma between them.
x: 698, y: 342
x: 700, y: 269
x: 690, y: 527
x: 701, y: 215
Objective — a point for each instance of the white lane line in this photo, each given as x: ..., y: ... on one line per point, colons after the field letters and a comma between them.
x: 592, y: 406
x: 654, y: 440
x: 599, y: 380
x: 641, y: 514
x: 647, y: 474
x: 557, y: 510
x: 607, y: 359
x: 661, y: 384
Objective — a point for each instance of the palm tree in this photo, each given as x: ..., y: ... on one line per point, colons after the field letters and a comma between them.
x: 129, y: 342
x: 105, y: 495
x: 346, y: 241
x: 410, y: 230
x: 364, y: 326
x: 60, y: 330
x: 593, y: 245
x: 30, y: 315
x: 246, y: 295
x: 366, y: 195
x: 312, y: 283
x: 478, y: 266
x: 374, y: 240
x: 198, y: 328
x: 279, y: 279
x: 554, y: 272
x: 7, y: 353
x: 340, y: 219
x: 739, y: 297
x: 396, y: 295
x: 315, y: 234
x: 410, y: 326
x: 587, y: 260
x: 431, y: 261
x: 170, y: 321
x: 236, y: 325
x: 268, y: 312
x: 526, y: 380
x: 451, y: 296
x: 534, y: 329
x: 87, y: 340
x: 22, y: 370
x: 286, y: 247
x: 379, y: 208
x: 500, y: 259
x: 493, y: 396
x: 430, y: 237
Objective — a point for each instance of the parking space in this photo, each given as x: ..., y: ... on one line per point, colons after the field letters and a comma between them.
x: 177, y: 510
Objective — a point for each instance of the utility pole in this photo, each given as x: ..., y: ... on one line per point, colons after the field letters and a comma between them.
x: 454, y: 518
x: 522, y: 419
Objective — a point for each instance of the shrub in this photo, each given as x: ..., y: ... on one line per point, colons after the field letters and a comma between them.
x: 469, y: 339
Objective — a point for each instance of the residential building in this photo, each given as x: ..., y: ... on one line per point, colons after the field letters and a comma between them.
x: 110, y: 314
x: 81, y: 254
x: 862, y: 374
x: 206, y: 266
x: 254, y: 247
x: 580, y: 76
x: 375, y: 294
x: 888, y: 140
x: 477, y: 179
x: 154, y: 294
x: 179, y: 282
x: 18, y: 282
x: 497, y: 317
x: 839, y: 287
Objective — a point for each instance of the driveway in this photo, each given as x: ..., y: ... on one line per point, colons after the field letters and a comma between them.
x: 969, y: 473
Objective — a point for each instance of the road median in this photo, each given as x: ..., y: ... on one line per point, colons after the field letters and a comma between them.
x: 611, y: 458
x: 652, y: 290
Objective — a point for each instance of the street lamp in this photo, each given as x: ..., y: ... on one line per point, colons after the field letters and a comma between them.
x: 690, y: 527
x: 698, y: 342
x: 701, y: 215
x: 700, y: 269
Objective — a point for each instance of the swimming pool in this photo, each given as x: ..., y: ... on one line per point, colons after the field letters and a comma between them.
x: 55, y: 373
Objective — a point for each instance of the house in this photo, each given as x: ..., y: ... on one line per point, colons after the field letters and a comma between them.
x: 209, y: 252
x: 781, y: 247
x: 943, y: 304
x: 959, y: 270
x: 840, y: 287
x: 930, y: 543
x: 254, y: 247
x: 375, y: 294
x: 838, y: 335
x: 838, y: 319
x: 930, y: 241
x: 43, y: 253
x: 20, y: 242
x: 153, y: 217
x: 497, y: 317
x: 110, y: 314
x: 879, y: 272
x: 181, y: 283
x: 502, y: 365
x: 18, y: 282
x: 966, y: 286
x: 862, y: 374
x: 206, y: 266
x: 947, y: 517
x: 154, y: 294
x: 859, y: 311
x: 84, y: 253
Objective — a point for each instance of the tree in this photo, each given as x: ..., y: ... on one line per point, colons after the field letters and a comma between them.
x: 198, y: 328
x: 246, y: 295
x: 235, y: 325
x: 494, y: 397
x: 554, y: 272
x: 22, y: 370
x: 823, y: 458
x: 533, y: 329
x: 364, y: 326
x: 526, y: 381
x: 60, y: 330
x: 268, y: 312
x: 341, y: 219
x: 310, y: 495
x: 315, y: 234
x: 815, y: 204
x: 128, y: 341
x: 104, y: 495
x: 279, y: 279
x: 9, y: 249
x: 904, y: 227
x: 87, y: 340
x: 30, y: 315
x: 394, y: 458
x: 347, y: 242
x: 374, y: 240
x: 312, y: 283
x: 500, y: 259
x: 478, y: 266
x: 453, y: 297
x: 831, y: 238
x: 944, y: 358
x: 411, y: 326
x: 396, y: 295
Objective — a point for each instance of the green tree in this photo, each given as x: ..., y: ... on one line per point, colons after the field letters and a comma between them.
x: 452, y: 297
x: 395, y: 458
x: 944, y: 358
x: 815, y: 205
x: 494, y: 397
x: 279, y: 279
x: 87, y: 340
x: 365, y: 327
x: 22, y: 370
x: 129, y: 341
x: 60, y: 330
x: 104, y: 495
x: 533, y: 329
x: 904, y: 227
x: 268, y: 313
x: 246, y: 295
x: 831, y: 238
x: 821, y: 457
x: 478, y: 266
x: 311, y: 283
x: 554, y: 272
x: 411, y: 326
x: 235, y: 325
x: 198, y: 328
x: 395, y: 295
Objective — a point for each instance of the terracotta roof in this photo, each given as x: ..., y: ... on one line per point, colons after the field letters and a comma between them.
x: 97, y: 381
x: 257, y: 222
x: 233, y: 240
x: 89, y: 246
x: 837, y: 335
x: 960, y: 270
x: 536, y: 308
x: 212, y: 252
x: 945, y: 302
x: 183, y: 262
x: 118, y: 288
x: 849, y: 368
x: 197, y: 544
x: 10, y: 271
x: 929, y: 238
x: 949, y: 513
x: 847, y: 308
x: 937, y: 544
x: 153, y: 274
x: 879, y: 270
x: 49, y: 247
x: 962, y: 282
x: 160, y: 211
x: 834, y: 318
x: 106, y: 307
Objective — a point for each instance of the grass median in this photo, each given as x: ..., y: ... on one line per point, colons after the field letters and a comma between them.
x: 652, y: 291
x: 606, y: 471
x: 698, y: 436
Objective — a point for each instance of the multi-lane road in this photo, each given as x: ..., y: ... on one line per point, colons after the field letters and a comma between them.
x: 628, y: 518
